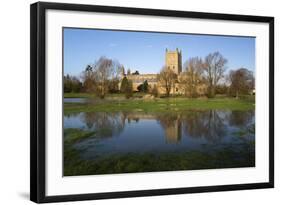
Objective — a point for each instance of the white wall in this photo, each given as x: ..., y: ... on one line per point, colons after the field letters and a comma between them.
x: 14, y: 103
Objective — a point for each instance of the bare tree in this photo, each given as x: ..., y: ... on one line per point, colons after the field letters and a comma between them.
x: 87, y: 77
x: 192, y: 78
x: 103, y: 73
x: 167, y: 79
x: 214, y: 67
x: 241, y: 81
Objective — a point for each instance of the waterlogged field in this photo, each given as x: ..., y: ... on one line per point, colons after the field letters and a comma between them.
x: 125, y: 136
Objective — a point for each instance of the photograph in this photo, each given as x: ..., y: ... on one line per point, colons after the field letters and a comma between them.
x: 149, y: 101
x: 134, y: 102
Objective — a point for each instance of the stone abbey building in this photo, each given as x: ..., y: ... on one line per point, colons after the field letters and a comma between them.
x: 173, y: 61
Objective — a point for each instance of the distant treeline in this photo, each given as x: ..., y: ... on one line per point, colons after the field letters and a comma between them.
x: 72, y: 84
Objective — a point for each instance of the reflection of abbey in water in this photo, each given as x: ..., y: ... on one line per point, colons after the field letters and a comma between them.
x: 173, y: 132
x: 172, y: 127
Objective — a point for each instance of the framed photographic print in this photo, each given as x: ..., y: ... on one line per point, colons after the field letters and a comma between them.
x: 129, y: 102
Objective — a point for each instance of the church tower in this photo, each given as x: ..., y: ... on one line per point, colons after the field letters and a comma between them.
x: 173, y: 60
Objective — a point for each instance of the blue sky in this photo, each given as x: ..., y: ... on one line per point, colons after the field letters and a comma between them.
x: 145, y: 51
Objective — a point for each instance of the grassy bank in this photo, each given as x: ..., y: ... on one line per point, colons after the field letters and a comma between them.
x: 159, y: 105
x: 79, y: 95
x: 131, y: 163
x: 93, y: 96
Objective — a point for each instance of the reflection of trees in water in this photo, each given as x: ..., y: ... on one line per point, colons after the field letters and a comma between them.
x: 241, y: 119
x: 172, y: 127
x: 211, y: 125
x: 245, y: 120
x: 129, y: 116
x: 204, y: 124
x: 106, y: 124
x: 68, y: 115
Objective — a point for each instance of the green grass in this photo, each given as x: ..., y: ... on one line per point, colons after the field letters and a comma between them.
x: 148, y: 162
x: 72, y: 135
x: 79, y: 95
x: 159, y: 105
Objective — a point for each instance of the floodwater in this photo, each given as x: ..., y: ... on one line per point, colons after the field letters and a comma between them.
x: 140, y: 132
x: 75, y: 100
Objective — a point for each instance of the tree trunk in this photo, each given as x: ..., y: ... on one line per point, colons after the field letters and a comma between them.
x: 212, y: 91
x: 237, y: 94
x: 168, y: 91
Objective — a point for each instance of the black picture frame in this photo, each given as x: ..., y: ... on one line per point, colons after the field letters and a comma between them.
x: 38, y: 101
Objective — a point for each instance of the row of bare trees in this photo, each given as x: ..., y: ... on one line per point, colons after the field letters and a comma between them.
x: 208, y: 73
x: 104, y: 76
